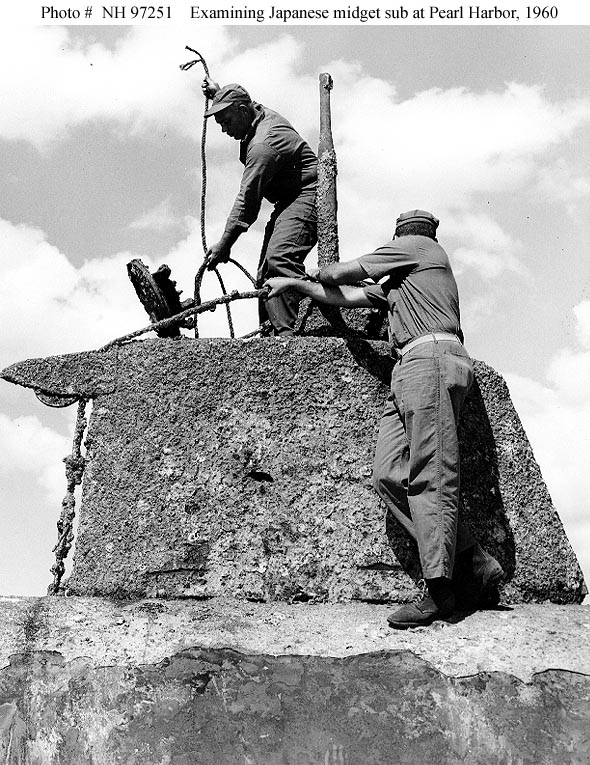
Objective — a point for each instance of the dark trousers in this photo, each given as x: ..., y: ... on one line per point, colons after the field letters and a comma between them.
x: 290, y: 234
x: 417, y: 466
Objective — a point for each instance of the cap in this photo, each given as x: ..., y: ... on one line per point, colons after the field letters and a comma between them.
x: 226, y: 96
x: 416, y: 216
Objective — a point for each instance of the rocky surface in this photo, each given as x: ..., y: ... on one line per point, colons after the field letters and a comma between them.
x: 520, y: 640
x: 243, y: 468
x: 220, y: 682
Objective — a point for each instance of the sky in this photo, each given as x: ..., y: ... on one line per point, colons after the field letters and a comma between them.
x: 486, y: 126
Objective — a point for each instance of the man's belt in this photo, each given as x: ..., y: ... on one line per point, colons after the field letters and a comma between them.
x: 430, y: 338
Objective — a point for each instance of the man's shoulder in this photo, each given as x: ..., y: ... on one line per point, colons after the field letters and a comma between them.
x: 423, y: 247
x: 404, y: 255
x: 405, y: 245
x: 276, y: 131
x: 275, y: 134
x: 268, y: 120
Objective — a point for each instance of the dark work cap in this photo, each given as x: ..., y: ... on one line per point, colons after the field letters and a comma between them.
x: 226, y: 96
x: 416, y: 216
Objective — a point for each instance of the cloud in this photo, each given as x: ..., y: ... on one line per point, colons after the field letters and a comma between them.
x: 559, y: 431
x: 439, y: 149
x: 159, y: 218
x: 569, y: 370
x: 461, y: 141
x: 57, y: 81
x: 486, y: 248
x: 28, y: 450
x: 556, y: 417
x: 52, y: 307
x: 33, y: 481
x: 569, y: 373
x: 582, y: 316
x: 560, y: 182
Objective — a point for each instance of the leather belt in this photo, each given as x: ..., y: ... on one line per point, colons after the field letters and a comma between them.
x: 430, y: 338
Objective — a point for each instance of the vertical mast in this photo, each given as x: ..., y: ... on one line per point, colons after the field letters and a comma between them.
x: 327, y: 202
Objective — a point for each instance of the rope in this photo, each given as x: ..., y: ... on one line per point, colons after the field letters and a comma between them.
x: 227, y: 308
x: 203, y: 153
x: 209, y: 305
x: 75, y: 463
x: 241, y: 267
x: 186, y: 67
x: 201, y: 271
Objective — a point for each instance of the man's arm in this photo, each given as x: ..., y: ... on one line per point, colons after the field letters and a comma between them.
x: 221, y: 250
x: 345, y: 297
x: 340, y: 273
x: 261, y: 166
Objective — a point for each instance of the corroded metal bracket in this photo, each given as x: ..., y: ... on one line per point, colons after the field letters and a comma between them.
x: 55, y: 400
x: 157, y: 293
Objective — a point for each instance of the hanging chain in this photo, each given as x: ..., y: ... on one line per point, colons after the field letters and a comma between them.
x: 75, y: 464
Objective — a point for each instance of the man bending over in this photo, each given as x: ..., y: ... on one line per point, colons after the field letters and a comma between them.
x: 278, y: 166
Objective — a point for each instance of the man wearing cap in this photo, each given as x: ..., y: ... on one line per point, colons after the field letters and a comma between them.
x: 416, y: 466
x: 280, y: 167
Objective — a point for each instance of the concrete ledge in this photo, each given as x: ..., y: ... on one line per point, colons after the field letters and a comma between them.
x: 520, y: 640
x: 222, y: 682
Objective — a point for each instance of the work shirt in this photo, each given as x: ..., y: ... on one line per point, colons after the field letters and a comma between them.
x: 278, y: 166
x: 416, y: 285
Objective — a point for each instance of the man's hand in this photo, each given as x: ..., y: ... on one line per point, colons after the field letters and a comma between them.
x: 313, y: 274
x: 216, y: 254
x: 209, y: 87
x: 278, y: 285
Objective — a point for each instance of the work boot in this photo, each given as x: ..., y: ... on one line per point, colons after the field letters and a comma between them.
x: 476, y: 579
x: 437, y: 602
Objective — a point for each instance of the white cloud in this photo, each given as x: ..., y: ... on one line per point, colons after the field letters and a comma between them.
x: 34, y: 484
x: 57, y: 83
x: 556, y: 417
x: 559, y: 433
x: 559, y: 181
x: 569, y: 373
x: 52, y: 307
x: 434, y: 149
x: 283, y: 86
x: 582, y: 315
x: 29, y: 449
x: 159, y: 218
x: 486, y: 247
x: 439, y: 147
